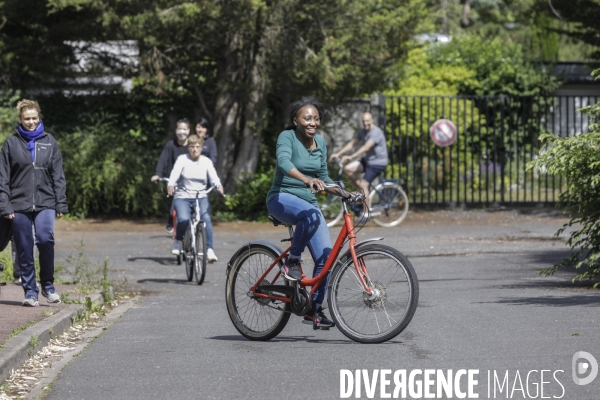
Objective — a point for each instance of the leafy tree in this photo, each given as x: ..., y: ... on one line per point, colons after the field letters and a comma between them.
x: 500, y: 67
x: 246, y: 60
x: 577, y: 158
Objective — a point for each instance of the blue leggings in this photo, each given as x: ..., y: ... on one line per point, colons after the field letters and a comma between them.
x: 42, y: 223
x: 311, y: 230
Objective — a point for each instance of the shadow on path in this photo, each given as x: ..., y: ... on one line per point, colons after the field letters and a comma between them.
x: 158, y: 260
x: 287, y: 339
x: 167, y: 280
x: 552, y: 301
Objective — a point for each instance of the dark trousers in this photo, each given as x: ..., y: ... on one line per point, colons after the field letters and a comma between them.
x: 43, y: 225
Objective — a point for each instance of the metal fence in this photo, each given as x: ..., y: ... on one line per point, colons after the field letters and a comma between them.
x: 497, y: 137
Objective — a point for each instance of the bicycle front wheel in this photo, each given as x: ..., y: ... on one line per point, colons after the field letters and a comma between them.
x: 389, y: 309
x: 186, y: 253
x: 331, y: 207
x: 389, y: 204
x: 254, y: 317
x: 200, y: 255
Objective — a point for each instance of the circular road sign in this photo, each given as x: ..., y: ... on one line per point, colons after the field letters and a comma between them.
x: 443, y: 132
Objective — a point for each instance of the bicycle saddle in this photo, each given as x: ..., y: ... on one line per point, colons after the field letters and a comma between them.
x: 277, y: 222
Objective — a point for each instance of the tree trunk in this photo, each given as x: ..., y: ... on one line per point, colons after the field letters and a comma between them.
x: 466, y: 15
x: 227, y: 110
x: 248, y: 150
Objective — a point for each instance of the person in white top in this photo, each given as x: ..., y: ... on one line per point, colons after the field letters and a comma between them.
x: 193, y: 171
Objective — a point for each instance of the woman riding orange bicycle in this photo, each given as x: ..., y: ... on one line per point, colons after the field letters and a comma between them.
x: 302, y: 170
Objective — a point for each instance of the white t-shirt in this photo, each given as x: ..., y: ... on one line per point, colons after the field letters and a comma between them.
x: 194, y: 175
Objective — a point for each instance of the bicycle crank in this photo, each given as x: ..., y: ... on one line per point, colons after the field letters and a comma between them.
x: 301, y: 302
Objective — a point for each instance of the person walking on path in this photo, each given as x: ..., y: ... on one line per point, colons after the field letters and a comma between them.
x: 32, y: 195
x: 373, y: 153
x: 172, y: 149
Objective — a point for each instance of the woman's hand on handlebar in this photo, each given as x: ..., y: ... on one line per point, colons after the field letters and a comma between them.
x: 315, y: 184
x: 154, y: 178
x: 220, y: 190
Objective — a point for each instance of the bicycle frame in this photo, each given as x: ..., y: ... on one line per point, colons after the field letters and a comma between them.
x: 347, y: 231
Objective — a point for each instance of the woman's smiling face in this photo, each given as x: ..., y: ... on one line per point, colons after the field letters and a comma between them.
x: 308, y: 121
x: 30, y: 119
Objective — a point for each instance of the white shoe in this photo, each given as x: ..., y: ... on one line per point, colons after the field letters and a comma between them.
x: 211, y: 257
x: 176, y: 249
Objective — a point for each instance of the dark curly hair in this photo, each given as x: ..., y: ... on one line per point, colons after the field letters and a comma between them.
x: 295, y: 107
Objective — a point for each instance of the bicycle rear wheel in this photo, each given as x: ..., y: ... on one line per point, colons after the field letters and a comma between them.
x: 331, y: 207
x: 254, y: 317
x: 389, y: 204
x: 386, y: 313
x: 186, y: 254
x: 200, y: 254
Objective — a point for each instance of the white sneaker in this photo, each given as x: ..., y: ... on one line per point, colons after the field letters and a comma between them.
x: 31, y: 302
x: 52, y: 297
x: 176, y: 249
x: 211, y: 257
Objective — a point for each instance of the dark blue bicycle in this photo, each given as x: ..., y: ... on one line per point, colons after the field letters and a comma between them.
x: 389, y: 203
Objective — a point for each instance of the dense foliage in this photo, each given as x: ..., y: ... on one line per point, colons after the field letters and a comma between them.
x: 577, y: 158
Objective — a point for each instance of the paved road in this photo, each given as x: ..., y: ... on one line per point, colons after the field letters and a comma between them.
x: 482, y: 307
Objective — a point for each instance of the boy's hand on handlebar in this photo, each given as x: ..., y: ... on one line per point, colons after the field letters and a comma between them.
x: 345, y: 159
x: 170, y: 190
x: 333, y: 157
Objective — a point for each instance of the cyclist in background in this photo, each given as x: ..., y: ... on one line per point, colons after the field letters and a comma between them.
x: 194, y: 172
x: 172, y: 149
x: 210, y: 146
x: 373, y: 153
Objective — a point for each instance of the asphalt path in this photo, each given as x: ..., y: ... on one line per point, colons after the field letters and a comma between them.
x: 482, y: 308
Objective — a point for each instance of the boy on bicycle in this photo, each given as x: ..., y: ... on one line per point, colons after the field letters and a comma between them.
x: 373, y: 150
x: 194, y: 172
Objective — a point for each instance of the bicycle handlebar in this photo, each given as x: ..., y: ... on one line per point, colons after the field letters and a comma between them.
x: 343, y: 193
x: 198, y: 192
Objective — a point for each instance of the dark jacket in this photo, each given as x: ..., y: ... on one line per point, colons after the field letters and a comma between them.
x: 169, y: 154
x: 32, y: 186
x: 210, y: 149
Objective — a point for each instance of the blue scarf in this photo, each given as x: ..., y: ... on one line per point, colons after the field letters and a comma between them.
x: 32, y: 136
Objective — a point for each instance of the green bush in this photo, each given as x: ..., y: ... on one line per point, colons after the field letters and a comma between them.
x: 577, y: 158
x: 110, y: 145
x: 248, y: 202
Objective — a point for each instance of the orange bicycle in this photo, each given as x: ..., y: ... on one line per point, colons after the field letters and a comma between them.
x: 372, y: 293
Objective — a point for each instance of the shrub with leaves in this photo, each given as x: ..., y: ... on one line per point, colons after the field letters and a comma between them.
x: 248, y: 202
x: 577, y: 158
